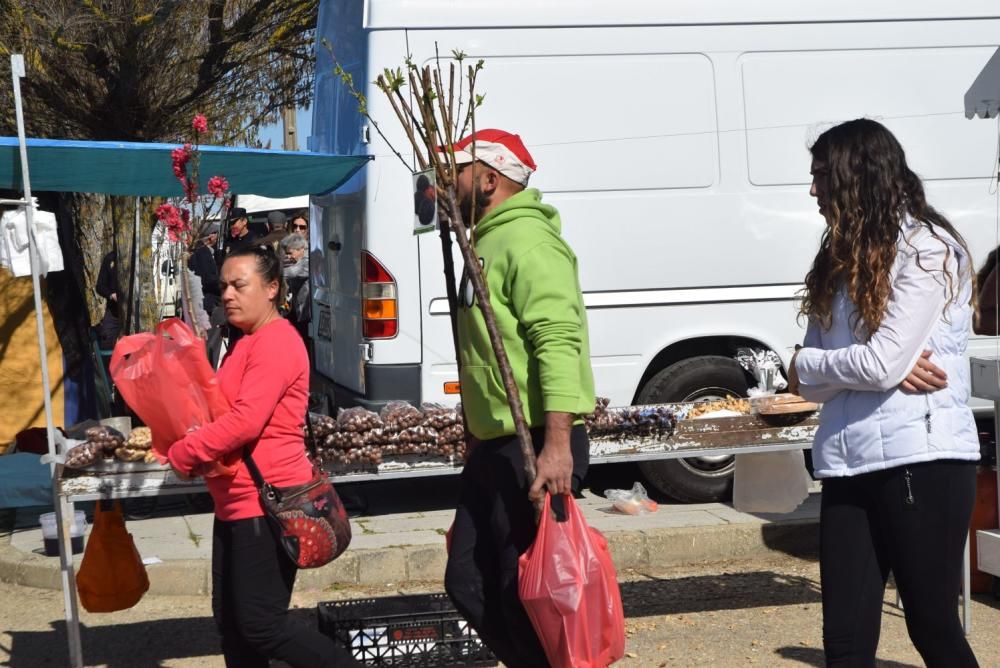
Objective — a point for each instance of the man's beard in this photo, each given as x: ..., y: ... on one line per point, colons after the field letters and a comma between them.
x: 465, y: 206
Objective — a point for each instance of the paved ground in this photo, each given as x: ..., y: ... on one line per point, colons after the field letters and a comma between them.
x: 401, y: 538
x: 758, y: 612
x: 703, y: 585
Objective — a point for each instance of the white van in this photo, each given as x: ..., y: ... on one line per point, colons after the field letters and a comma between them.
x: 672, y: 137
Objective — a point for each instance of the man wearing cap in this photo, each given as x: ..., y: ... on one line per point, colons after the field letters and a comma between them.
x: 240, y: 236
x: 275, y: 231
x: 534, y: 289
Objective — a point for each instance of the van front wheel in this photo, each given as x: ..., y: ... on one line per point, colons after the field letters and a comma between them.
x: 705, y: 378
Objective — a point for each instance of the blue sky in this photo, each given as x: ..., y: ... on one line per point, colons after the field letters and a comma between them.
x: 273, y: 132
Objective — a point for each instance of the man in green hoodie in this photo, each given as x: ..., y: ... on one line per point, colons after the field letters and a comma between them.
x: 535, y: 293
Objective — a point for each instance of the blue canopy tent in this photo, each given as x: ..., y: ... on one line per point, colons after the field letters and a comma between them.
x: 130, y: 168
x: 123, y: 168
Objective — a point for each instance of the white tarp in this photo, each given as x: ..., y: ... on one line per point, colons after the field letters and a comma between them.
x: 256, y: 203
x: 983, y: 98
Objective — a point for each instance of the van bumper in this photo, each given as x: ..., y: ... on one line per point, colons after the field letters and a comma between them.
x: 383, y: 383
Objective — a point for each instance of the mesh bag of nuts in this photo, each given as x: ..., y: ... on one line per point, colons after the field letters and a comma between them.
x: 452, y: 434
x: 357, y: 419
x: 439, y: 417
x: 84, y: 455
x: 399, y: 415
x: 107, y: 438
x: 418, y: 435
x: 322, y: 425
x: 345, y: 440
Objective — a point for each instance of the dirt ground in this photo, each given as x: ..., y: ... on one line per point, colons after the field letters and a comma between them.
x: 763, y: 613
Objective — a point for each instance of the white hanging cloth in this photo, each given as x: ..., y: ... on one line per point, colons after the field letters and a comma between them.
x: 14, y: 249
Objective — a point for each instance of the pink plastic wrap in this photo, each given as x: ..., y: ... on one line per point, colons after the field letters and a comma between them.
x: 166, y: 379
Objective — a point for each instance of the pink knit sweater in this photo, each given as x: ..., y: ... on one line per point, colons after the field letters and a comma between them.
x: 265, y: 377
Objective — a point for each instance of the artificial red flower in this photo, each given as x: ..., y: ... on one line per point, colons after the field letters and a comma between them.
x: 168, y: 214
x: 199, y: 123
x: 218, y: 185
x: 180, y: 158
x: 177, y: 221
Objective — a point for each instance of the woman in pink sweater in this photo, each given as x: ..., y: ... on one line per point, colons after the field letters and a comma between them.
x: 265, y: 377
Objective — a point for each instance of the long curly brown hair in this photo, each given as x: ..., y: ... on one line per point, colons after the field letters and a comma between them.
x: 865, y: 190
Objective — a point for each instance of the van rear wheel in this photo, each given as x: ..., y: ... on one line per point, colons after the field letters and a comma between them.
x: 705, y: 378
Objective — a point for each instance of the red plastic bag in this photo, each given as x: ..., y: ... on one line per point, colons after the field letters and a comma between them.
x: 569, y: 588
x: 166, y: 379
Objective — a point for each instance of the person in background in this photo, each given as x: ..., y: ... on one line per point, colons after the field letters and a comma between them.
x: 275, y: 230
x: 888, y: 302
x: 534, y: 289
x: 202, y: 263
x: 296, y: 274
x: 252, y: 576
x: 110, y: 325
x: 299, y: 224
x: 240, y: 235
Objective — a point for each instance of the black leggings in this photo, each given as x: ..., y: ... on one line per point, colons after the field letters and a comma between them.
x: 494, y: 525
x: 913, y: 521
x: 252, y: 581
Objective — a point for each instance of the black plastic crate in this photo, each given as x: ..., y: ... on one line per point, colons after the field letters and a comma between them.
x: 419, y: 630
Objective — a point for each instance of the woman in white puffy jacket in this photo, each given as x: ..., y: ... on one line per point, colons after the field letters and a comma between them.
x: 888, y: 302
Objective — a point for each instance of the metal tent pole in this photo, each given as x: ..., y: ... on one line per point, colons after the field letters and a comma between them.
x: 64, y: 514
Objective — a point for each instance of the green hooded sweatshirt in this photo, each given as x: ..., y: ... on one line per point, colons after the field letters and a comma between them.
x: 535, y: 291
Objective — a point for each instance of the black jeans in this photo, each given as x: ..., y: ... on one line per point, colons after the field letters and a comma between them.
x: 913, y: 521
x: 494, y: 525
x: 252, y: 581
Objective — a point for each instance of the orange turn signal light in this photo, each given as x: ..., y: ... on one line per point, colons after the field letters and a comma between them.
x: 379, y: 309
x: 453, y: 387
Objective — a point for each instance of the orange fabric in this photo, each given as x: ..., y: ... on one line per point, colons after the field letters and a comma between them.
x: 21, y: 402
x: 112, y: 576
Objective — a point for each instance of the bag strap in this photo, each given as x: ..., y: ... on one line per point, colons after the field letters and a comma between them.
x: 258, y: 479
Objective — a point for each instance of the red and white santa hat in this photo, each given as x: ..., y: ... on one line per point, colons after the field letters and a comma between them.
x: 501, y: 150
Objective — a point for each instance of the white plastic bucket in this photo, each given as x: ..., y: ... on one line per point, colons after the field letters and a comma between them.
x: 50, y: 538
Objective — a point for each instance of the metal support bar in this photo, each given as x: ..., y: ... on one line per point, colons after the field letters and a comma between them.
x: 63, y: 510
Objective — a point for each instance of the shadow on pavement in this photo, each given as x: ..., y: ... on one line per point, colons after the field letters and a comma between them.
x: 136, y: 645
x: 146, y: 644
x: 729, y: 591
x: 799, y: 540
x: 812, y: 656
